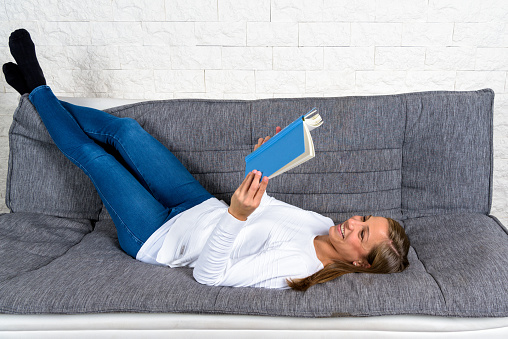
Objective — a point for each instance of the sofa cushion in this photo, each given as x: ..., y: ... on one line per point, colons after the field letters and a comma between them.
x: 467, y: 256
x: 96, y: 276
x: 29, y: 241
x: 447, y: 159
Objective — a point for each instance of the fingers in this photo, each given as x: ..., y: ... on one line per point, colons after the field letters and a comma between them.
x: 244, y: 186
x: 261, y: 141
x: 258, y: 187
x: 248, y: 195
x: 251, y: 178
x: 261, y: 190
x: 253, y: 185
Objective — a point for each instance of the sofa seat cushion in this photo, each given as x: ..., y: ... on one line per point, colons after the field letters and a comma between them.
x: 96, y: 276
x: 467, y: 256
x: 29, y: 241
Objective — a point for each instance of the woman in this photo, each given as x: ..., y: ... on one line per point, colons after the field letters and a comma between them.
x: 165, y: 217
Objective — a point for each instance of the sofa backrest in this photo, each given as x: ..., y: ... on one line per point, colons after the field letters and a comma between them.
x: 448, y: 153
x: 400, y: 156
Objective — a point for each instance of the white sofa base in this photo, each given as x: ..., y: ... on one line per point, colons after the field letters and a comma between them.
x: 135, y: 325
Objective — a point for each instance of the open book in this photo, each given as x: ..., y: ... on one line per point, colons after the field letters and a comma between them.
x: 287, y: 149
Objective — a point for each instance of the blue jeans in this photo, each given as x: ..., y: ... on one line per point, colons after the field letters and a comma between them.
x: 144, y: 192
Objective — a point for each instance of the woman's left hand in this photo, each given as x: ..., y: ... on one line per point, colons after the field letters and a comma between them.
x: 261, y: 141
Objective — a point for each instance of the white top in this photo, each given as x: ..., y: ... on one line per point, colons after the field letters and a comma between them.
x: 275, y: 243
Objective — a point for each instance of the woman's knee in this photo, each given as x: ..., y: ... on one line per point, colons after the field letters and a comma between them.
x: 124, y: 127
x: 85, y: 153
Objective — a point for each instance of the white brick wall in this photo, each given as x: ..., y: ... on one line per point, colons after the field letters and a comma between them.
x: 247, y: 49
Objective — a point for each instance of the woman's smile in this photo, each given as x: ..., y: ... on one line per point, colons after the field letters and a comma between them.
x: 341, y: 230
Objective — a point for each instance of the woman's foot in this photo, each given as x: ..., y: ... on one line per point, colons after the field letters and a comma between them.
x: 15, y: 78
x: 23, y: 50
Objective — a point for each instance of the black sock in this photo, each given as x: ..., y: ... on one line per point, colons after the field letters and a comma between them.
x: 15, y: 78
x: 23, y: 50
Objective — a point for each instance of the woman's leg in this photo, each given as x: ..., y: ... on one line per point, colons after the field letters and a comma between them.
x: 151, y: 162
x: 135, y: 212
x: 160, y: 172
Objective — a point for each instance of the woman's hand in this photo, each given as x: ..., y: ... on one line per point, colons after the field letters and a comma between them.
x: 261, y: 141
x: 248, y: 196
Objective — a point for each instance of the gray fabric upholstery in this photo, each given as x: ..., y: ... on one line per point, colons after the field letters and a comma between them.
x: 40, y: 178
x: 30, y: 241
x: 447, y: 156
x: 466, y: 255
x: 422, y: 158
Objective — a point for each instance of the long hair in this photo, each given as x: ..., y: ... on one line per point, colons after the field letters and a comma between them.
x: 388, y: 257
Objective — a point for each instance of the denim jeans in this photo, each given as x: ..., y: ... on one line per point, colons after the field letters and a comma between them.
x: 141, y: 191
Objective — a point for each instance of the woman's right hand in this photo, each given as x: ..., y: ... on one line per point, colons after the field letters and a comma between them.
x: 247, y: 196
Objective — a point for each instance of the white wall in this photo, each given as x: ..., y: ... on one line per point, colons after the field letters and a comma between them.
x: 151, y: 49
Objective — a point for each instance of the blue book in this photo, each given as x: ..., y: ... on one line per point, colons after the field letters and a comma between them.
x: 287, y: 149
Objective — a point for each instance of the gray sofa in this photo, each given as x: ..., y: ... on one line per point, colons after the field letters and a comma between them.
x: 424, y: 159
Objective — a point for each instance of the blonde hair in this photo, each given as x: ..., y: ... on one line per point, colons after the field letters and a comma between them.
x: 387, y: 257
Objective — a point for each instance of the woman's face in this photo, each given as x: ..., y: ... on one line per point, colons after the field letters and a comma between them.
x: 357, y: 236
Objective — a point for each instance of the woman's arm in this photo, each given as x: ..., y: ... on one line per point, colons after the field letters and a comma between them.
x: 213, y: 261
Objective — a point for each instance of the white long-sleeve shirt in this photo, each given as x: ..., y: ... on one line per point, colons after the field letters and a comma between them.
x: 275, y: 243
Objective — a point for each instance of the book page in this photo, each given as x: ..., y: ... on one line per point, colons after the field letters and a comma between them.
x: 313, y: 119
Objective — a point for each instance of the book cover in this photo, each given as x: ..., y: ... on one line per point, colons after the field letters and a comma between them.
x: 287, y: 149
